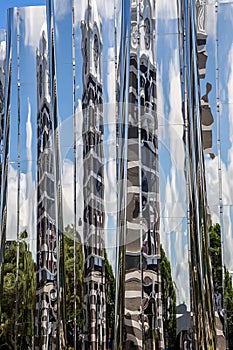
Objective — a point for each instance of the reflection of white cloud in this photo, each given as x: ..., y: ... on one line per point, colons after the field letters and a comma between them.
x: 212, y: 180
x: 28, y: 207
x: 166, y: 9
x: 172, y: 168
x: 212, y: 165
x: 34, y: 19
x: 160, y: 97
x: 67, y: 156
x: 27, y: 197
x: 211, y: 22
x: 11, y: 226
x: 2, y: 51
x: 29, y: 133
x: 61, y: 8
x: 111, y: 80
x: 105, y: 8
x: 68, y: 192
x: 102, y: 8
x: 175, y: 98
x: 212, y: 176
x: 227, y: 170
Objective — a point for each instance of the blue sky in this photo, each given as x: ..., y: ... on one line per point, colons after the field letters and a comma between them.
x: 5, y: 4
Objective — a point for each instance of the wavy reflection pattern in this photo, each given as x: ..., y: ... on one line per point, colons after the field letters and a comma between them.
x: 112, y: 137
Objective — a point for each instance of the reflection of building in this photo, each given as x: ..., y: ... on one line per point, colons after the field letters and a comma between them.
x: 46, y: 274
x: 207, y: 122
x: 142, y: 281
x: 93, y: 181
x: 203, y: 320
x: 144, y: 322
x: 201, y: 37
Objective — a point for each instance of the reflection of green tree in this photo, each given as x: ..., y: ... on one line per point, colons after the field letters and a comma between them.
x: 168, y: 299
x: 26, y: 293
x: 69, y: 276
x: 110, y: 296
x: 215, y: 254
x: 216, y: 261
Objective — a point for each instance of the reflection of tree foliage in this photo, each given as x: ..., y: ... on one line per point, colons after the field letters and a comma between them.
x: 110, y: 296
x: 168, y: 299
x: 26, y: 293
x: 215, y: 255
x: 216, y: 261
x: 69, y: 280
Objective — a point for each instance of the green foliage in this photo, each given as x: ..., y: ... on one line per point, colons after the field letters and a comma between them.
x: 216, y: 255
x: 168, y: 298
x: 26, y: 296
x: 110, y: 295
x: 69, y: 276
x: 216, y: 261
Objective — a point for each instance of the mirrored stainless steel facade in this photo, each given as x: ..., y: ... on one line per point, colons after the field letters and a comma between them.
x: 115, y: 163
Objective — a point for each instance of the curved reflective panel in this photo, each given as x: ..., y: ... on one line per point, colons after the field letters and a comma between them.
x: 139, y: 210
x: 115, y: 193
x: 218, y: 160
x: 174, y: 222
x: 19, y: 200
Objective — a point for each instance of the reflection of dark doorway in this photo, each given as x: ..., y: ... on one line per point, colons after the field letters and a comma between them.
x: 183, y: 340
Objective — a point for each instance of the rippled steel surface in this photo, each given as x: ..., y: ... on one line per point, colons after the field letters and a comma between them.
x: 116, y: 175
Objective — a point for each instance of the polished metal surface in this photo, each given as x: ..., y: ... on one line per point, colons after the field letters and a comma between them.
x: 115, y: 171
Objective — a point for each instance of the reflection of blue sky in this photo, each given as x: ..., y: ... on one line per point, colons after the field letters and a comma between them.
x: 225, y: 58
x: 173, y: 223
x: 29, y: 41
x: 63, y: 57
x: 211, y: 165
x: 65, y: 110
x: 4, y: 5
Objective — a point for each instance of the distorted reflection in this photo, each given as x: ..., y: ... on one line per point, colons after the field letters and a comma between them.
x: 142, y: 321
x: 113, y: 137
x: 46, y: 275
x: 93, y: 182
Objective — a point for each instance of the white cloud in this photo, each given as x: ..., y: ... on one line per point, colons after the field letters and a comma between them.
x: 68, y: 192
x: 2, y: 51
x: 171, y: 169
x: 27, y: 197
x: 62, y: 7
x: 212, y: 165
x: 11, y: 225
x: 175, y: 98
x: 211, y: 22
x: 34, y: 19
x: 100, y: 8
x: 166, y: 9
x: 227, y: 171
x: 105, y: 8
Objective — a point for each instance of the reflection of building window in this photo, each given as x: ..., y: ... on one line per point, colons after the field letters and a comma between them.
x: 147, y: 33
x: 99, y: 183
x: 96, y: 51
x: 40, y: 81
x: 85, y: 56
